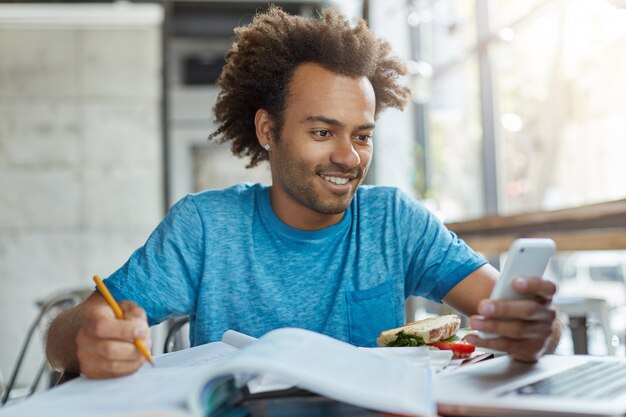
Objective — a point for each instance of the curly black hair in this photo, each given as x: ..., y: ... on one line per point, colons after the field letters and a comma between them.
x: 264, y: 55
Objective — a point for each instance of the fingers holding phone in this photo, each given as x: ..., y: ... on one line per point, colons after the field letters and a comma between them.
x: 522, y: 328
x: 536, y: 308
x: 539, y: 289
x: 518, y: 317
x: 520, y: 280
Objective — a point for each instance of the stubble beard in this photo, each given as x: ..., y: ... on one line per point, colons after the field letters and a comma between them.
x: 300, y: 185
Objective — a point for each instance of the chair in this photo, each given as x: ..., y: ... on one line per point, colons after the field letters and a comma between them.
x: 177, y: 335
x: 49, y: 308
x: 578, y: 311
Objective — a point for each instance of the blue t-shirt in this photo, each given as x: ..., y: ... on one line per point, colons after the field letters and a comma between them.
x: 225, y: 259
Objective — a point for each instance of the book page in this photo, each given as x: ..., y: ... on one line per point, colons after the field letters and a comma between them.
x: 335, y: 369
x: 202, y: 355
x: 236, y: 339
x: 435, y: 360
x: 162, y: 389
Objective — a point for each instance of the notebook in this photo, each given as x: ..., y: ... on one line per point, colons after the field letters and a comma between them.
x: 576, y: 385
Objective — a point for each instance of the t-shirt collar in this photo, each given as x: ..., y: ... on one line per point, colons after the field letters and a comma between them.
x: 268, y: 215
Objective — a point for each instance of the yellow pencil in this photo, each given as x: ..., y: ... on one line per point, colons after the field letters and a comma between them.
x: 120, y: 315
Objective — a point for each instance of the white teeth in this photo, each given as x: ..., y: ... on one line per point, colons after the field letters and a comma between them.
x: 336, y: 180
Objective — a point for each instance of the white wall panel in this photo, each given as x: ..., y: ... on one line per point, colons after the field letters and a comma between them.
x: 80, y: 151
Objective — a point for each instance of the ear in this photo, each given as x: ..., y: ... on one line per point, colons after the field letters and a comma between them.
x: 263, y: 126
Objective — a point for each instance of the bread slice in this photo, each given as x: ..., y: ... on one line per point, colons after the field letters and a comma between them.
x: 431, y: 329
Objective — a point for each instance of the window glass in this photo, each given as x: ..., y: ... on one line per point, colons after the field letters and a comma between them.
x: 455, y: 144
x: 559, y: 103
x: 451, y: 23
x: 560, y: 120
x: 505, y: 12
x: 453, y: 127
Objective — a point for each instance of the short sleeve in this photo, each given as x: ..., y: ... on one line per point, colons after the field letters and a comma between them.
x: 438, y: 259
x: 163, y: 275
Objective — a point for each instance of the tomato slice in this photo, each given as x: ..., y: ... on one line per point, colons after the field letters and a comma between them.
x: 459, y: 347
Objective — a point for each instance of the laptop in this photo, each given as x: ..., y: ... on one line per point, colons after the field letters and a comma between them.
x: 576, y: 385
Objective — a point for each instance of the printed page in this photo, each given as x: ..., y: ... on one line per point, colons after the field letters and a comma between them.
x: 162, y: 389
x: 435, y: 360
x: 336, y: 370
x: 207, y: 354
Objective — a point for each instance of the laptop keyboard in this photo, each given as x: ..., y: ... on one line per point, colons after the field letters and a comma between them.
x: 592, y: 380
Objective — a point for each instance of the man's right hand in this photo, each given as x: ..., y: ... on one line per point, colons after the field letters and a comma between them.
x: 105, y: 345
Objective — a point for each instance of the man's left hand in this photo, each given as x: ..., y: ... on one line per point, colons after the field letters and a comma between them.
x: 524, y: 327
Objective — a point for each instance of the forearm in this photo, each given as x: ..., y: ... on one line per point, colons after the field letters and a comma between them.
x: 61, y: 340
x: 468, y: 293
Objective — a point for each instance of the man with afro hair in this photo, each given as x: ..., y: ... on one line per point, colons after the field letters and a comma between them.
x: 314, y: 250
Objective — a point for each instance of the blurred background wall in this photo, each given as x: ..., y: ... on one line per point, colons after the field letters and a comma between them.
x: 80, y: 151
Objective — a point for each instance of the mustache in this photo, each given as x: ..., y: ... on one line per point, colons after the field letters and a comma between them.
x: 356, y: 172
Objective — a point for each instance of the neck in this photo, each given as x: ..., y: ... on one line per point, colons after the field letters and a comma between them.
x: 298, y: 216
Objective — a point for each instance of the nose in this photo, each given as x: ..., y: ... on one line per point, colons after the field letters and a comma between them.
x: 344, y: 153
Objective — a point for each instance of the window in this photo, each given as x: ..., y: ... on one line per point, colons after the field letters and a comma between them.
x: 556, y: 116
x: 561, y: 106
x: 455, y: 142
x: 447, y: 35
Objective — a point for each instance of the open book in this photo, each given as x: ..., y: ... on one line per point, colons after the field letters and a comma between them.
x: 184, y: 380
x: 319, y: 364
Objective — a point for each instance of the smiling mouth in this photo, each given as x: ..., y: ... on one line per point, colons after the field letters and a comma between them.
x: 336, y: 180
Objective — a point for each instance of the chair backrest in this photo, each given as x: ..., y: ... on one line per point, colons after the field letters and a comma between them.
x: 177, y: 337
x: 2, y: 385
x: 49, y: 308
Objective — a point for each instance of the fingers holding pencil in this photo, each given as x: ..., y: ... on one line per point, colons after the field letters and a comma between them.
x: 119, y: 313
x: 133, y: 326
x: 105, y: 345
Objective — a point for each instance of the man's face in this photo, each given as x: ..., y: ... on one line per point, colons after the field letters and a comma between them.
x: 325, y: 147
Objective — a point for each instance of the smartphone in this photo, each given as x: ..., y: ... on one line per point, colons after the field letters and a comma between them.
x: 525, y: 258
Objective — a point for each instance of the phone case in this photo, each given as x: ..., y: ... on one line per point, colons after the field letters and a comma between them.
x: 525, y: 258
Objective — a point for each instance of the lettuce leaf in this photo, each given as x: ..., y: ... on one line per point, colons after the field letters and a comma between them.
x: 404, y: 339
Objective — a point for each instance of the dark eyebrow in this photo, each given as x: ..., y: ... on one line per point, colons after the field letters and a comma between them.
x: 366, y: 126
x: 324, y: 119
x: 334, y: 122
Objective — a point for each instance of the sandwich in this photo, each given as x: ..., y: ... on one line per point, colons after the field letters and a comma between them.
x: 440, y: 332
